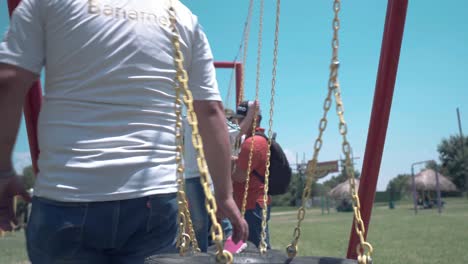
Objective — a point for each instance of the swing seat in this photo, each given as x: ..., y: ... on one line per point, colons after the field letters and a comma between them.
x: 271, y: 257
x: 250, y: 255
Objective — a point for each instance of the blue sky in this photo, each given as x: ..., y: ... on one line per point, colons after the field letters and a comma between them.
x: 430, y: 82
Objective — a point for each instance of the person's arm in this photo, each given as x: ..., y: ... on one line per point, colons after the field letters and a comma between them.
x: 22, y: 56
x: 213, y: 130
x: 14, y: 85
x: 247, y: 121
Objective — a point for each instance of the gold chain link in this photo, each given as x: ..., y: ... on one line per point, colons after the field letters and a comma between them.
x: 254, y: 125
x: 263, y: 244
x: 364, y: 249
x: 334, y: 86
x: 244, y: 55
x: 185, y: 223
x: 184, y: 240
x: 222, y: 256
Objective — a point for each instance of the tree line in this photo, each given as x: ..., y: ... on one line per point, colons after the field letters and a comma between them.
x: 453, y: 163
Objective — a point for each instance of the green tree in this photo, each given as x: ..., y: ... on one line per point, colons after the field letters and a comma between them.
x: 433, y: 165
x: 454, y: 159
x: 341, y: 177
x: 399, y: 183
x: 293, y: 196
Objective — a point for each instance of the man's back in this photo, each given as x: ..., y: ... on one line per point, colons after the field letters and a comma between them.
x: 108, y: 111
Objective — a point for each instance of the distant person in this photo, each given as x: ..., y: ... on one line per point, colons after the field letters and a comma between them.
x: 255, y: 198
x: 10, y: 186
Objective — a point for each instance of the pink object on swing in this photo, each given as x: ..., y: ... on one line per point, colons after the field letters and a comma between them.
x: 234, y: 247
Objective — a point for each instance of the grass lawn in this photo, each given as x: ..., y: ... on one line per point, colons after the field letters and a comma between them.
x: 12, y: 248
x: 398, y: 236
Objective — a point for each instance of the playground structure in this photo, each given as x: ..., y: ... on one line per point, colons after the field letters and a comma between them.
x: 426, y: 181
x: 391, y: 44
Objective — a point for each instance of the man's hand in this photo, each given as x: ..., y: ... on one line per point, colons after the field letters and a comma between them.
x: 9, y: 188
x: 233, y: 162
x: 246, y: 123
x: 227, y: 208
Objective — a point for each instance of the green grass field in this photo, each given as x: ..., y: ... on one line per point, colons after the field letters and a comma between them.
x: 398, y: 236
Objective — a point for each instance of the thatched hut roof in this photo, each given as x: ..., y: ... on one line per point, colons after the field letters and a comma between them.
x: 426, y: 181
x: 341, y: 191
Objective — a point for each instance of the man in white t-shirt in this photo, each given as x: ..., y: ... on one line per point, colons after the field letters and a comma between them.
x: 106, y: 188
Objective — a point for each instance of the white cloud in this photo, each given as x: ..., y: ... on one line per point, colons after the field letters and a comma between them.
x: 21, y: 160
x: 290, y: 155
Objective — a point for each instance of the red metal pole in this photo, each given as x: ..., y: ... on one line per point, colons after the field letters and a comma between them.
x: 32, y: 106
x: 388, y: 66
x: 225, y: 64
x: 238, y: 67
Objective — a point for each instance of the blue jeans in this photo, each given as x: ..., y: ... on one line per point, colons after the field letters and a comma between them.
x: 254, y: 219
x: 125, y: 231
x: 196, y: 200
x: 227, y: 227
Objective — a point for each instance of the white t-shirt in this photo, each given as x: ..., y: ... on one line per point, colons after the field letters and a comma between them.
x: 107, y: 123
x: 190, y: 155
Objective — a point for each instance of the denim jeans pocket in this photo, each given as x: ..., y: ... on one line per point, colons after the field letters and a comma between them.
x: 162, y: 212
x: 55, y: 229
x: 258, y: 212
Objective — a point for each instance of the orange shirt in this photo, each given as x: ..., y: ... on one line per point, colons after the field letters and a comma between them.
x: 256, y: 186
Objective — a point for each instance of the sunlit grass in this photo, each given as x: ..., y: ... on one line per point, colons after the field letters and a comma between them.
x: 398, y: 236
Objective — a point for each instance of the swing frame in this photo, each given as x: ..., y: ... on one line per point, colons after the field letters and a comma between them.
x: 383, y: 95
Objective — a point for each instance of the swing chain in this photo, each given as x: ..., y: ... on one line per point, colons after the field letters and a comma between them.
x: 245, y: 51
x: 292, y: 249
x: 184, y: 240
x: 364, y: 249
x: 254, y: 125
x: 263, y: 244
x: 222, y: 256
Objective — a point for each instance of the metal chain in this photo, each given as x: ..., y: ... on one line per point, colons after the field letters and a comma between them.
x: 334, y: 86
x: 243, y: 44
x: 227, y: 99
x: 185, y: 223
x: 263, y: 244
x: 254, y: 125
x: 183, y: 239
x: 222, y: 256
x: 364, y: 249
x: 244, y: 55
